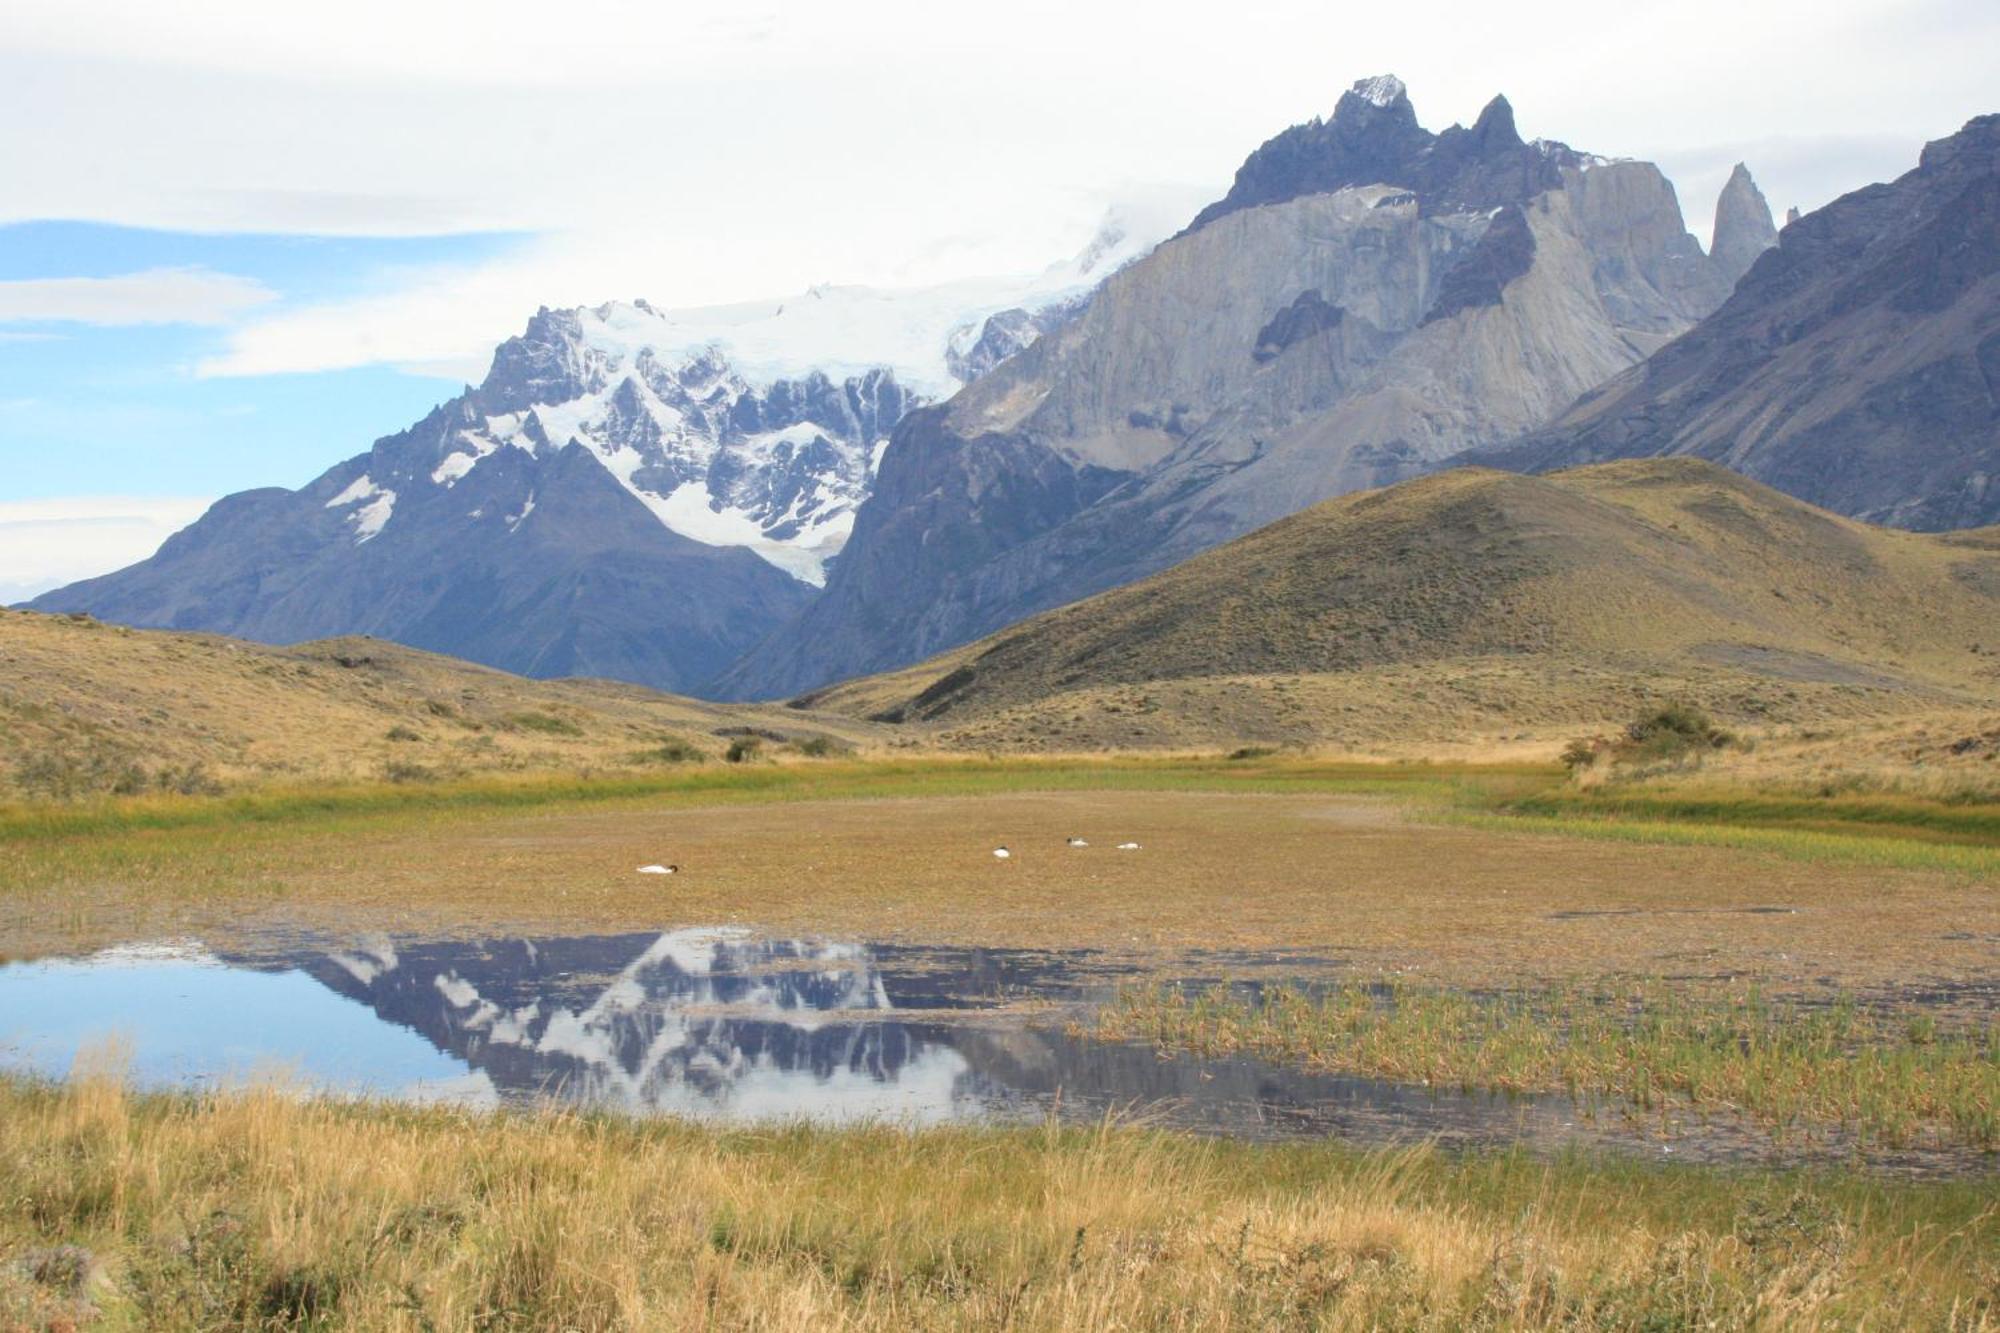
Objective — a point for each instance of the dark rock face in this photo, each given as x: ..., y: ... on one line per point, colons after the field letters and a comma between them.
x: 1368, y: 302
x: 1504, y: 253
x: 1857, y: 365
x: 1374, y: 138
x: 1304, y: 317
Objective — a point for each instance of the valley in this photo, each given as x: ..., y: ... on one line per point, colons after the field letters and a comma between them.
x: 1412, y: 741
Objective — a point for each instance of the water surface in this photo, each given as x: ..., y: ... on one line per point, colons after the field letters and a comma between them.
x: 724, y: 1025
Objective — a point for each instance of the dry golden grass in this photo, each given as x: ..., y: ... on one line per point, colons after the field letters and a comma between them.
x: 260, y: 1211
x: 101, y: 707
x: 1483, y: 608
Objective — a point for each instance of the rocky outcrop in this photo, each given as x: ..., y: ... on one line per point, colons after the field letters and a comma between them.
x: 1743, y: 227
x: 1369, y: 300
x: 1857, y: 364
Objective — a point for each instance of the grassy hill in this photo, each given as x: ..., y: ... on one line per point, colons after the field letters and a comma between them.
x: 88, y: 708
x: 1489, y: 609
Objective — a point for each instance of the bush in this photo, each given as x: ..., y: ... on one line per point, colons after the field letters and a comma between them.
x: 1672, y: 734
x: 743, y: 749
x: 548, y: 724
x: 672, y: 752
x: 402, y: 733
x: 1674, y: 731
x: 192, y: 779
x: 397, y: 770
x: 97, y: 768
x: 1582, y: 754
x: 821, y: 747
x: 1253, y: 752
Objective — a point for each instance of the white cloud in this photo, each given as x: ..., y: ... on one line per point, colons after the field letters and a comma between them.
x: 870, y: 129
x: 45, y: 544
x: 695, y: 154
x: 155, y: 296
x: 446, y: 320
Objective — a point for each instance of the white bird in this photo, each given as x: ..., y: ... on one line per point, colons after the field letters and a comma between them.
x: 1001, y: 853
x: 659, y: 870
x: 1078, y: 842
x: 1128, y: 846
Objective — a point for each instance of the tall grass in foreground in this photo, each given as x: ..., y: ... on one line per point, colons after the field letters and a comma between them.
x: 258, y: 1210
x: 1891, y: 1078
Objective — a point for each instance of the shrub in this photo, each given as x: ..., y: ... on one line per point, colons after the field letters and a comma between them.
x: 193, y: 779
x: 402, y: 733
x: 1580, y: 754
x: 673, y: 751
x: 548, y: 724
x: 1672, y: 734
x: 1253, y: 752
x: 821, y: 747
x: 743, y: 749
x: 397, y: 770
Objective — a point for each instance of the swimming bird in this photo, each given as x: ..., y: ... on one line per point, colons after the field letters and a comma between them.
x: 1001, y: 853
x: 1078, y: 842
x: 1128, y: 846
x: 659, y: 870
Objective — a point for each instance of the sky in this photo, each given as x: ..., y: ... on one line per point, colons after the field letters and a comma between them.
x: 240, y: 241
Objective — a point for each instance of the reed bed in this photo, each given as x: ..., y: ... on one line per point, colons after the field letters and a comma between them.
x: 1891, y: 1077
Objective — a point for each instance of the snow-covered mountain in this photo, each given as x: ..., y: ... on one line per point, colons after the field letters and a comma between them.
x: 632, y: 492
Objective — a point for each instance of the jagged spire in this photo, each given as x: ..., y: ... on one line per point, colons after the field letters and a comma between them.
x: 1743, y: 228
x: 1495, y: 126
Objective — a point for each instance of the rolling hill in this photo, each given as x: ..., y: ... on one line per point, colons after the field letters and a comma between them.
x: 1482, y: 604
x: 88, y: 709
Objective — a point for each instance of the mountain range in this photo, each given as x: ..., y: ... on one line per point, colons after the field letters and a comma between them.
x: 1367, y: 302
x: 632, y: 493
x: 754, y: 501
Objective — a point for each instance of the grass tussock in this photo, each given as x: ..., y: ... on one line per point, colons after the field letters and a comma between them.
x: 1891, y: 1078
x: 259, y: 1210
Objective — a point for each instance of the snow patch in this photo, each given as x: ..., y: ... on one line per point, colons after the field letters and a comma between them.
x: 453, y: 467
x: 371, y: 518
x: 361, y: 488
x: 691, y: 511
x: 1383, y: 90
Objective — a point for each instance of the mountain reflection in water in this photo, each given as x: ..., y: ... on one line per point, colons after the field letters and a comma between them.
x: 712, y: 1023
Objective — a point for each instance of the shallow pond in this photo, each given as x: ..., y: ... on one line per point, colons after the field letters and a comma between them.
x: 721, y: 1024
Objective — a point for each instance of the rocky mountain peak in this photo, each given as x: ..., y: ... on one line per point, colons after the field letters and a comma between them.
x: 1373, y: 138
x: 1743, y: 227
x: 1495, y: 127
x: 1974, y: 150
x: 1383, y: 90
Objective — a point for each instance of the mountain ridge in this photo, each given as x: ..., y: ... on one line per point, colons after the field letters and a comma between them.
x: 1518, y: 600
x: 1856, y: 364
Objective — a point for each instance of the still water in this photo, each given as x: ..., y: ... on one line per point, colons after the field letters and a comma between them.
x: 711, y: 1023
x: 721, y: 1024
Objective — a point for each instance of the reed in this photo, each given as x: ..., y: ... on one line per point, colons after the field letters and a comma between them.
x: 1890, y: 1076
